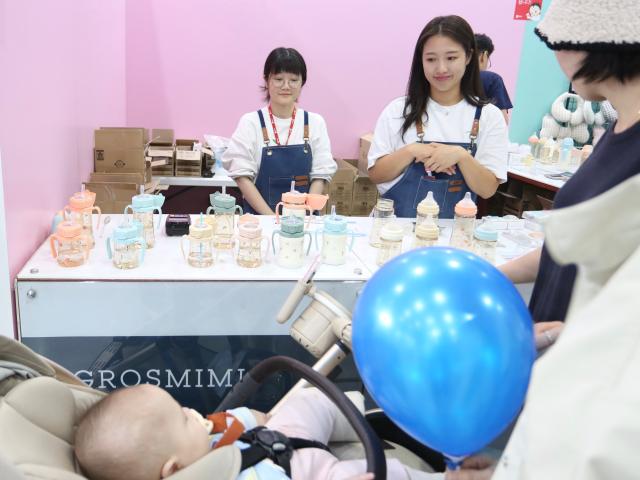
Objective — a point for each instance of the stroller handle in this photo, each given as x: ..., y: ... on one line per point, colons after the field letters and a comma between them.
x: 243, y: 390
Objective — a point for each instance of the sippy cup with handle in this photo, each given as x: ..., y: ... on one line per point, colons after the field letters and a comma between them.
x: 291, y: 252
x: 69, y: 245
x: 334, y: 239
x: 223, y: 221
x: 294, y: 204
x: 249, y: 245
x: 128, y: 246
x: 382, y: 213
x: 200, y: 244
x: 80, y: 210
x: 143, y: 206
x: 428, y: 207
x: 464, y: 223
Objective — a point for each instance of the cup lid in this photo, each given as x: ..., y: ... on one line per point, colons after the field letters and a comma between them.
x: 69, y: 229
x: 384, y: 204
x: 292, y: 224
x: 335, y: 223
x: 200, y: 230
x: 392, y: 231
x: 248, y: 218
x: 222, y: 200
x: 146, y: 200
x: 82, y: 200
x: 250, y: 230
x: 466, y: 207
x: 126, y: 231
x: 486, y: 232
x: 294, y: 197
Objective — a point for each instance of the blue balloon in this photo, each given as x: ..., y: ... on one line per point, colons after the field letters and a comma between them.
x: 444, y: 343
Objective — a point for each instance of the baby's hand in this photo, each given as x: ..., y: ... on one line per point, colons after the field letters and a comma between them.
x: 364, y: 476
x: 261, y: 418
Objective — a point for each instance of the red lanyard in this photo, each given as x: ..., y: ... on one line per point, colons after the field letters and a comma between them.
x: 275, y: 130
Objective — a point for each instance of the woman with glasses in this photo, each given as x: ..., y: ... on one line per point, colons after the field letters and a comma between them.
x: 442, y: 136
x: 279, y: 143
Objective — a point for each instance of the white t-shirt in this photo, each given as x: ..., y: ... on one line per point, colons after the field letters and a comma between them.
x: 242, y: 158
x: 446, y: 124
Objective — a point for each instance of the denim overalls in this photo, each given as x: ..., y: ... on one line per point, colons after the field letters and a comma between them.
x: 416, y: 183
x: 282, y: 164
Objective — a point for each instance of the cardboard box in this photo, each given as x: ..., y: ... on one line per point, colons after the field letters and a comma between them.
x: 365, y: 196
x: 341, y: 187
x: 120, y: 150
x: 188, y: 161
x: 161, y: 136
x: 161, y: 152
x: 115, y: 190
x: 365, y: 144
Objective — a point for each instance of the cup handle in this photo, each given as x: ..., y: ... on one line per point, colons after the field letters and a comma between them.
x: 353, y: 238
x: 159, y: 216
x: 52, y: 245
x: 310, y: 216
x: 276, y: 209
x: 182, y: 246
x: 273, y: 240
x: 310, y: 241
x: 97, y: 209
x: 107, y: 242
x: 239, y: 208
x: 125, y: 211
x: 143, y: 248
x: 266, y: 250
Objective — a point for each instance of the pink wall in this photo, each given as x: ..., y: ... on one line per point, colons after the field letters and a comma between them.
x: 63, y: 73
x: 195, y: 65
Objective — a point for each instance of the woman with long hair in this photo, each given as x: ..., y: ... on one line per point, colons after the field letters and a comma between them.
x: 443, y: 136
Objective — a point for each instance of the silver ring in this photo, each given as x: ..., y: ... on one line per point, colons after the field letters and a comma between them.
x: 548, y: 336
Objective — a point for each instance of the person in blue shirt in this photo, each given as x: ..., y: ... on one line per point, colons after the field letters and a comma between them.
x: 492, y: 83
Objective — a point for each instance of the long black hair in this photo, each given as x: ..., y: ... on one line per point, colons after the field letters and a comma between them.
x: 418, y: 89
x: 286, y: 60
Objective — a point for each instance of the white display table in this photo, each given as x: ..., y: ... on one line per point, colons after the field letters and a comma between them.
x: 174, y: 320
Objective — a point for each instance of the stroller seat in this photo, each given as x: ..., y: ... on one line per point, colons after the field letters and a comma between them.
x: 38, y: 419
x: 39, y: 416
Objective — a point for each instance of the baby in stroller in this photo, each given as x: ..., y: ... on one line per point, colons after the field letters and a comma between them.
x: 142, y: 433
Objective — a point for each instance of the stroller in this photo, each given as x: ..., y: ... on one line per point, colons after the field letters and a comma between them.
x: 41, y: 404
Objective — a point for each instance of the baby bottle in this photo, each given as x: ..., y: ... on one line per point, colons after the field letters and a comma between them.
x: 334, y: 239
x: 463, y: 223
x: 391, y: 236
x: 565, y: 152
x: 80, y: 210
x: 294, y: 204
x: 428, y: 207
x: 291, y: 251
x: 128, y: 246
x: 486, y: 242
x: 224, y: 210
x: 534, y: 143
x: 426, y: 234
x: 143, y: 206
x: 200, y: 244
x: 382, y: 213
x: 249, y: 245
x: 548, y: 148
x: 69, y: 245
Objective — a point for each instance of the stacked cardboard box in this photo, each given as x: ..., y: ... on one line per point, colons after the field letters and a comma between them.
x: 188, y: 160
x: 161, y: 152
x: 120, y: 167
x: 350, y: 191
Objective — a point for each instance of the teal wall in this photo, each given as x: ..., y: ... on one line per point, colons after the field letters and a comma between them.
x: 540, y: 81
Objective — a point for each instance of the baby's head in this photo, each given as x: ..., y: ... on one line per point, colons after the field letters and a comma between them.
x: 139, y: 433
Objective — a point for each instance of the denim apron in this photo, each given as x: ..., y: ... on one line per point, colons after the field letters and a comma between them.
x: 416, y: 183
x: 280, y: 165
